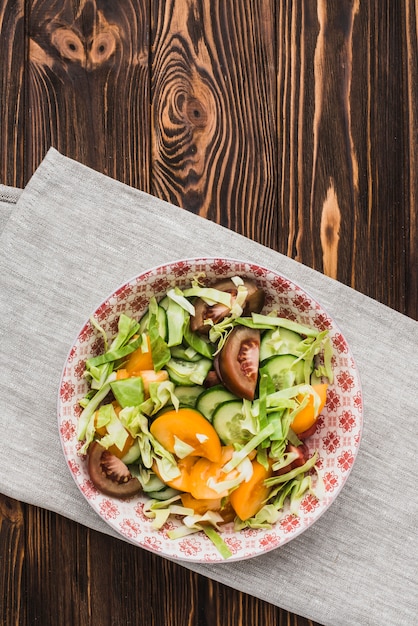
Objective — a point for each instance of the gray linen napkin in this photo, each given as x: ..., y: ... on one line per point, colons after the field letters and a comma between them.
x: 73, y: 236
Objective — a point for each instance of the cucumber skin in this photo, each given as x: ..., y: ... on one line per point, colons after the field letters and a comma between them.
x: 278, y: 365
x: 290, y: 341
x: 223, y: 417
x: 207, y: 404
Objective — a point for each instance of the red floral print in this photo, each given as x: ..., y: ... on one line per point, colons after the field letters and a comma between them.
x: 161, y: 285
x: 347, y: 421
x: 330, y: 481
x: 79, y: 369
x: 181, y: 268
x: 141, y: 302
x: 302, y: 303
x: 333, y: 400
x: 139, y: 511
x: 67, y: 430
x: 221, y: 267
x: 358, y: 401
x: 345, y: 460
x: 269, y: 540
x: 86, y: 333
x: 108, y: 510
x: 345, y: 381
x: 190, y: 547
x: 281, y: 285
x: 67, y: 391
x: 74, y: 467
x: 309, y: 503
x: 130, y: 528
x: 89, y: 489
x: 289, y: 523
x: 331, y: 441
x: 322, y: 322
x: 153, y: 543
x: 72, y: 354
x: 103, y: 311
x: 340, y: 343
x: 233, y: 544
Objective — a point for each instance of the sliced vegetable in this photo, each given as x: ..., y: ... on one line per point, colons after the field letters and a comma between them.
x: 205, y: 471
x: 307, y: 416
x: 182, y: 482
x: 140, y: 359
x: 188, y: 372
x: 229, y: 421
x: 279, y: 341
x: 210, y: 399
x: 128, y: 391
x: 238, y: 362
x: 211, y: 402
x: 208, y: 314
x: 248, y: 498
x: 109, y: 474
x: 284, y: 371
x: 190, y: 427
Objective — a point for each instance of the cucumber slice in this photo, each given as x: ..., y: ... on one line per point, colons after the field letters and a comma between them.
x: 211, y: 398
x: 188, y: 395
x: 187, y: 372
x: 163, y: 494
x: 154, y: 484
x: 227, y: 421
x: 133, y: 454
x: 287, y: 343
x: 284, y: 370
x: 162, y: 322
x: 185, y: 354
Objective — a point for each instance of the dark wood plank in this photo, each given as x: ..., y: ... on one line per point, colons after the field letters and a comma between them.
x: 410, y: 154
x: 12, y: 92
x: 88, y: 86
x: 12, y: 555
x: 214, y: 89
x: 84, y: 577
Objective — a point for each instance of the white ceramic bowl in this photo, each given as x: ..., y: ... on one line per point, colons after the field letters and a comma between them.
x: 337, y: 435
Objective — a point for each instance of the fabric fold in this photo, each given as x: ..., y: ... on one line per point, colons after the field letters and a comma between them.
x: 74, y: 235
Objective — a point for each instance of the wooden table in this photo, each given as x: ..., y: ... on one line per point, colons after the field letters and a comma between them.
x: 293, y: 122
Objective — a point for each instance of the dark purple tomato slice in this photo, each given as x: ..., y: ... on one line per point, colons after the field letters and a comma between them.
x: 238, y: 361
x: 216, y: 313
x: 109, y: 474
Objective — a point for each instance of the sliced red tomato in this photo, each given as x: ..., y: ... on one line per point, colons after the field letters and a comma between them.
x: 238, y: 361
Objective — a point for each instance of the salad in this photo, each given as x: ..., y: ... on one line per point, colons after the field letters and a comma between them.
x: 204, y: 405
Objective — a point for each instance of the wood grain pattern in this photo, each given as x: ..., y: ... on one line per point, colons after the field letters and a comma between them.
x: 88, y: 86
x: 293, y: 123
